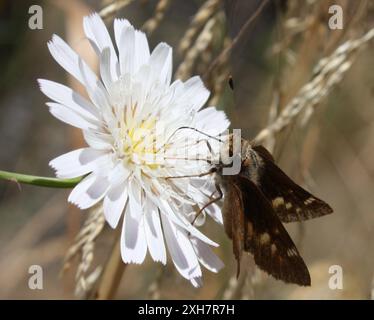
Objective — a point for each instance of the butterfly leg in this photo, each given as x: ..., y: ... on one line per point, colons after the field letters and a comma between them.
x: 199, y: 175
x: 220, y: 196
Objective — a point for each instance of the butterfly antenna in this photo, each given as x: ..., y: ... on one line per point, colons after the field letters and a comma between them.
x: 190, y: 128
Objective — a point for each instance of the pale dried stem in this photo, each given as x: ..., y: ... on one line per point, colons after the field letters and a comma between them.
x: 111, y: 9
x: 253, y: 282
x: 200, y: 45
x: 207, y: 10
x: 84, y: 246
x: 234, y: 288
x: 154, y: 291
x: 111, y: 276
x: 159, y: 14
x: 328, y: 72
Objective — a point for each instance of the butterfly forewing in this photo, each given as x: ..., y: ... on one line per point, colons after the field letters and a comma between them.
x: 290, y: 201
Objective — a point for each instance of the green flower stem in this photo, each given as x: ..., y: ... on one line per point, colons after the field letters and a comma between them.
x: 39, y: 181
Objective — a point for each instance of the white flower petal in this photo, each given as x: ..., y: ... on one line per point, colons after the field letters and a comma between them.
x: 142, y: 53
x: 177, y: 88
x: 142, y: 91
x: 181, y: 221
x: 201, y: 191
x: 195, y: 94
x: 105, y: 65
x: 69, y: 60
x: 181, y: 250
x: 98, y: 140
x: 135, y: 194
x: 69, y: 116
x: 132, y: 46
x: 114, y: 203
x: 69, y: 98
x: 197, y: 282
x: 206, y: 256
x: 118, y: 174
x: 89, y: 191
x: 161, y: 63
x: 133, y: 240
x: 99, y: 37
x: 95, y: 89
x: 119, y: 25
x: 215, y: 212
x: 78, y: 162
x: 127, y: 50
x: 153, y: 232
x: 72, y: 63
x: 211, y: 121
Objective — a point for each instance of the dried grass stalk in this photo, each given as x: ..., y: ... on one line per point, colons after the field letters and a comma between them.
x: 83, y: 247
x: 200, y: 45
x: 112, y: 8
x: 207, y: 10
x: 152, y: 24
x: 154, y: 290
x: 230, y: 289
x: 328, y: 72
x: 110, y: 278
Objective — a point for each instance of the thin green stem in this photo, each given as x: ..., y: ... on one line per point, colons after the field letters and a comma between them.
x: 39, y: 181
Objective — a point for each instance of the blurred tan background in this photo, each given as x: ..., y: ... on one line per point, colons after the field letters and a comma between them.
x: 332, y: 155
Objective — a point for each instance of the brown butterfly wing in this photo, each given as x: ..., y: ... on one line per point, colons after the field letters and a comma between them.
x: 233, y: 221
x: 290, y: 201
x: 267, y: 239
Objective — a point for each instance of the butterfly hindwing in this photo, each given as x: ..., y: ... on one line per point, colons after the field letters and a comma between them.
x: 290, y: 201
x: 233, y: 220
x: 267, y: 239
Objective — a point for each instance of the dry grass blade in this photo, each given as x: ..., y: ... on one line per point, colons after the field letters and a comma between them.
x: 112, y: 8
x: 84, y: 246
x: 328, y: 72
x: 152, y: 24
x: 200, y: 45
x: 207, y: 10
x: 154, y: 290
x: 110, y: 278
x: 270, y: 141
x: 234, y: 288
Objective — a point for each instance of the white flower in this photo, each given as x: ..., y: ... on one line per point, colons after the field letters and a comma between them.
x: 130, y: 124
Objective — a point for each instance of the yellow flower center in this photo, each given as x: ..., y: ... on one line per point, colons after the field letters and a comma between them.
x: 139, y: 144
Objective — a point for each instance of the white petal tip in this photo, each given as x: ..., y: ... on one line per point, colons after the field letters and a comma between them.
x: 162, y: 260
x: 164, y: 44
x: 40, y: 82
x: 213, y: 244
x: 111, y: 224
x: 79, y: 205
x: 197, y: 282
x: 131, y: 260
x: 52, y: 164
x: 55, y: 38
x: 218, y: 267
